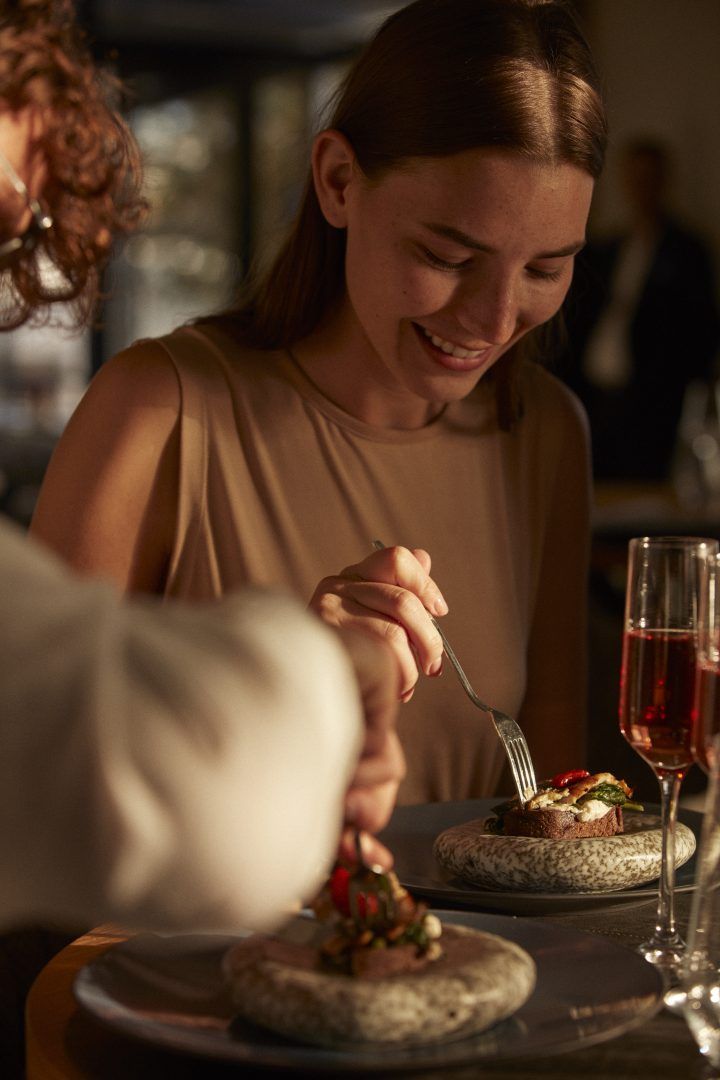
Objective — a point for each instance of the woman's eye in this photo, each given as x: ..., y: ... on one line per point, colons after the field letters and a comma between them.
x: 443, y: 264
x: 546, y: 275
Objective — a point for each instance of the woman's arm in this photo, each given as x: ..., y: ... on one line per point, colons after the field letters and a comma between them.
x: 107, y: 505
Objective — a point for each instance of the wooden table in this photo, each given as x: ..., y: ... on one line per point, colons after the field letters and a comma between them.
x: 64, y: 1044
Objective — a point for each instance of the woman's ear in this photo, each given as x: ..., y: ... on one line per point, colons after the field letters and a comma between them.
x: 334, y: 166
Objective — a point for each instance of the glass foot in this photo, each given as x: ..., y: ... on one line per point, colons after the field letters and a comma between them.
x: 665, y: 955
x: 675, y: 999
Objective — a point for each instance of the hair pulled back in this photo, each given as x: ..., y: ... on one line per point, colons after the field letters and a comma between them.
x: 438, y: 78
x: 93, y: 165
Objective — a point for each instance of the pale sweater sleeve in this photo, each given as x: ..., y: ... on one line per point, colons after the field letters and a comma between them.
x: 164, y: 766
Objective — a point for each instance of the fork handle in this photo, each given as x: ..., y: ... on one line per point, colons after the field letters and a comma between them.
x: 448, y: 649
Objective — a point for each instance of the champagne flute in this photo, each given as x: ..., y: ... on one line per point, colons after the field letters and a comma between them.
x: 657, y: 693
x: 707, y: 692
x: 698, y: 995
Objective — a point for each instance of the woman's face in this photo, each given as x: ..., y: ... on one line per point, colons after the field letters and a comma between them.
x: 450, y: 261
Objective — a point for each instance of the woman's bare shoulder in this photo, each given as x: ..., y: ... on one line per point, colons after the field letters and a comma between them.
x: 141, y: 374
x: 107, y: 503
x: 544, y: 393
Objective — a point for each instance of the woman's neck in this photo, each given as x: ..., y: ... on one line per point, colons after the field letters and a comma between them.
x: 341, y: 363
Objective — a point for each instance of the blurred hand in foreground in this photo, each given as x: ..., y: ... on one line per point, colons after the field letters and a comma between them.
x: 381, y: 766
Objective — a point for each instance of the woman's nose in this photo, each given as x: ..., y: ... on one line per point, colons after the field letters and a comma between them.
x: 489, y: 312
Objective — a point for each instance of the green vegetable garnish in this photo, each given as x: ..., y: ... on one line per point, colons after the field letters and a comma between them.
x: 611, y: 795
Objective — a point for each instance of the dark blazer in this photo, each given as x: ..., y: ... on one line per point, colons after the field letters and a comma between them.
x: 674, y: 338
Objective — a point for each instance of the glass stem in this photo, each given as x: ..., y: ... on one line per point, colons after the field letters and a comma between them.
x: 665, y: 929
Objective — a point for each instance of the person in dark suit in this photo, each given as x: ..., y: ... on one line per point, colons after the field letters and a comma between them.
x: 642, y: 323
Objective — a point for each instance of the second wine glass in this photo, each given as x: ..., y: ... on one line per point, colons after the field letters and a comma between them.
x: 707, y: 692
x: 657, y: 692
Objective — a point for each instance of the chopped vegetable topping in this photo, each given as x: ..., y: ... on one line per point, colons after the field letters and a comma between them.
x: 360, y: 927
x: 611, y: 794
x: 563, y: 779
x: 569, y: 791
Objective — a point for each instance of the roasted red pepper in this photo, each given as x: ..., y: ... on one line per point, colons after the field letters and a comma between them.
x: 339, y: 889
x: 340, y: 894
x: 563, y: 779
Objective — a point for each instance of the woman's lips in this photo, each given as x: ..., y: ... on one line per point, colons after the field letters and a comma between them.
x: 471, y: 361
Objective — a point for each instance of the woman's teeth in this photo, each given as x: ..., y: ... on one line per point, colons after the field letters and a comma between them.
x: 452, y: 350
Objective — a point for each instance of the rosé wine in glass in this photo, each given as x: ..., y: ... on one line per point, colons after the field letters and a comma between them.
x: 657, y: 696
x: 707, y: 723
x: 658, y: 705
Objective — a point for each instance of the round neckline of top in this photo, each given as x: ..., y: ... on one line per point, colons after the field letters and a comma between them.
x: 307, y: 389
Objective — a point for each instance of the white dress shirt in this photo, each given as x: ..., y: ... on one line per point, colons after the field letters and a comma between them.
x: 160, y: 765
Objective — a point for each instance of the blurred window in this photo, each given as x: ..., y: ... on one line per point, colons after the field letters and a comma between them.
x: 184, y: 263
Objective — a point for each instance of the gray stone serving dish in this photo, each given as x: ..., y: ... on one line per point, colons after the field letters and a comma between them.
x: 479, y: 979
x: 531, y: 864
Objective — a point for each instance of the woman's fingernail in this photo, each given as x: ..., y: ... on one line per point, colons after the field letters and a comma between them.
x: 407, y: 695
x: 436, y: 667
x: 439, y: 607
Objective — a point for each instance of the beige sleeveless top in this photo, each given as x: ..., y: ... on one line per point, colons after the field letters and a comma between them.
x: 278, y: 486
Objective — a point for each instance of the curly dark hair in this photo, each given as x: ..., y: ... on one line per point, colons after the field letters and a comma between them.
x: 92, y: 190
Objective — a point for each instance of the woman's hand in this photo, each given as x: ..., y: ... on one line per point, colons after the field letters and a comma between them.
x: 390, y: 594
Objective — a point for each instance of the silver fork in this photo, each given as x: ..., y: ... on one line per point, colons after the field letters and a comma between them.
x: 365, y: 881
x: 509, y: 730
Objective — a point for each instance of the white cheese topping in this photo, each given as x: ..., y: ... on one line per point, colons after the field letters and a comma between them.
x: 592, y: 810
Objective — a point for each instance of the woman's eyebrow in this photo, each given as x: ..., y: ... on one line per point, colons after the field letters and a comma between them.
x: 458, y: 237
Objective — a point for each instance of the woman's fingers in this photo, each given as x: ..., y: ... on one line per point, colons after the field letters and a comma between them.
x: 390, y: 594
x: 340, y: 610
x: 335, y: 605
x: 423, y: 558
x: 409, y: 570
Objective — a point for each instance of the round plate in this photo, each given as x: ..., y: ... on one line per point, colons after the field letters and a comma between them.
x: 168, y: 992
x: 533, y: 864
x: 411, y: 834
x: 479, y: 980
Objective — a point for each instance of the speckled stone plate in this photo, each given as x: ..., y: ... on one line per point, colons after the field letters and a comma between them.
x: 480, y: 979
x: 411, y: 835
x: 168, y: 992
x: 532, y: 864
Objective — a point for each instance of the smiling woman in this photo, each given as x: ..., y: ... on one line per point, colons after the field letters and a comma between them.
x: 380, y: 380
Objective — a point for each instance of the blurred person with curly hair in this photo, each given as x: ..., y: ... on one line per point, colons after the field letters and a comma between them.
x: 136, y: 783
x: 59, y: 129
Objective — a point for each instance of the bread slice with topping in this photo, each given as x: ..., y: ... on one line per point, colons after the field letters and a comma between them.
x: 570, y: 806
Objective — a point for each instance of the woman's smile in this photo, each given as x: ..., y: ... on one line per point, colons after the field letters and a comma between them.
x: 451, y: 356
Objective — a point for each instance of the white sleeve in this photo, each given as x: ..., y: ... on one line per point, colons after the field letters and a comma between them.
x: 160, y: 765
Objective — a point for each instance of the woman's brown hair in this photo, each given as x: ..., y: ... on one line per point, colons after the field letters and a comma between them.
x: 92, y: 191
x: 440, y: 77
